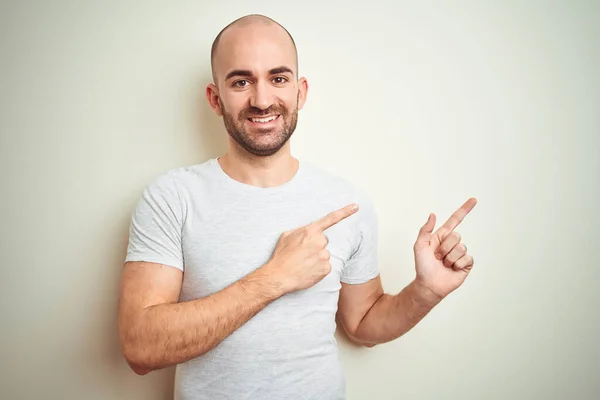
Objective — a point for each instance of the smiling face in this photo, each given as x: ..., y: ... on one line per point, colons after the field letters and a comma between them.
x: 256, y: 89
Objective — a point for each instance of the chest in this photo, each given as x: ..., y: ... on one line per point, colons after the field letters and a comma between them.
x: 223, y: 244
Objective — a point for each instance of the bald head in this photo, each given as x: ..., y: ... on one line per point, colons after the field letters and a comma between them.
x: 253, y: 28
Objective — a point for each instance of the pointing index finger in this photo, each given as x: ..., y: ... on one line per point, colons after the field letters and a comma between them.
x: 334, y: 217
x: 457, y: 217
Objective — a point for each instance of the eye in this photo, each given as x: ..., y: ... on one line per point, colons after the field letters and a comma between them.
x: 279, y: 80
x: 240, y: 84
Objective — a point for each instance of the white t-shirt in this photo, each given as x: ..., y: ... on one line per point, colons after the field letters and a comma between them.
x: 218, y: 230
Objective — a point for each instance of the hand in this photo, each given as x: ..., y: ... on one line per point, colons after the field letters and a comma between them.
x: 441, y: 260
x: 301, y: 259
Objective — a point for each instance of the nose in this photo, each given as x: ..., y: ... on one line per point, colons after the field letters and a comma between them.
x: 261, y: 97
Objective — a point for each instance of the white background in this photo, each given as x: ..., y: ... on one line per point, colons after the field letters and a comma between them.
x: 421, y: 104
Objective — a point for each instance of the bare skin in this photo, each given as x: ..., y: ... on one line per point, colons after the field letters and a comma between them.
x: 442, y: 264
x: 255, y: 76
x: 267, y: 84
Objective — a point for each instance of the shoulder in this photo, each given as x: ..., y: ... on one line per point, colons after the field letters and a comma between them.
x: 178, y: 179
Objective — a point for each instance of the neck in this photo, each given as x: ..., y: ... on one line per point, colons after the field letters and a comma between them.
x: 268, y: 171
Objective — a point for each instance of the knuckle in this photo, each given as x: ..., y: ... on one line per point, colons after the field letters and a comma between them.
x: 462, y: 248
x: 325, y: 255
x: 456, y: 236
x: 443, y: 233
x: 306, y: 235
x: 464, y: 262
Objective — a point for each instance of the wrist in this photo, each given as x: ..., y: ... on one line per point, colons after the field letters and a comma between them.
x: 424, y: 294
x: 270, y: 280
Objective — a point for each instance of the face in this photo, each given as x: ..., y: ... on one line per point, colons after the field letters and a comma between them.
x: 257, y: 91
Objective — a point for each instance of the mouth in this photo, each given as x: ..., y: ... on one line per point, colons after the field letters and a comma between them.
x: 264, y: 122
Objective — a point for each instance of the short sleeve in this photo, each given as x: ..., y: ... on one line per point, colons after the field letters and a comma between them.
x: 363, y: 263
x: 156, y: 225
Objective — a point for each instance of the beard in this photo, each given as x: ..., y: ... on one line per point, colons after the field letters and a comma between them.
x: 257, y: 141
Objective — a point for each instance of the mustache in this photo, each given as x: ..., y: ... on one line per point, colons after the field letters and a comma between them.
x: 253, y: 112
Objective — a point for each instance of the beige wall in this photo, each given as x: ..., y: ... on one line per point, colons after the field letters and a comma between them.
x: 421, y: 105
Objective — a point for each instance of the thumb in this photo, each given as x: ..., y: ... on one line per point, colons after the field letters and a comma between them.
x: 426, y: 230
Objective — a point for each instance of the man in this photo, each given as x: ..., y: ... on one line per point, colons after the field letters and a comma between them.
x: 236, y: 267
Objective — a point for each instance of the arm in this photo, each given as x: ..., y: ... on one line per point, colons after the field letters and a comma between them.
x: 369, y: 316
x: 442, y: 264
x: 156, y: 331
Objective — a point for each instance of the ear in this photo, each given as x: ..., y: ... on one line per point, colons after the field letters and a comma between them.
x: 302, y: 92
x: 212, y: 94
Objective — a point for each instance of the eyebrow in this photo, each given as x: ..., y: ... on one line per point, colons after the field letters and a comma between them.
x: 281, y: 70
x: 248, y: 74
x: 238, y: 72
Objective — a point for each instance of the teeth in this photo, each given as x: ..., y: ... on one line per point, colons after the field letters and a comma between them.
x: 271, y: 118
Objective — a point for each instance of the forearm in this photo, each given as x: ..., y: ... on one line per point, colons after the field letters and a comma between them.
x: 393, y: 316
x: 169, y: 334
